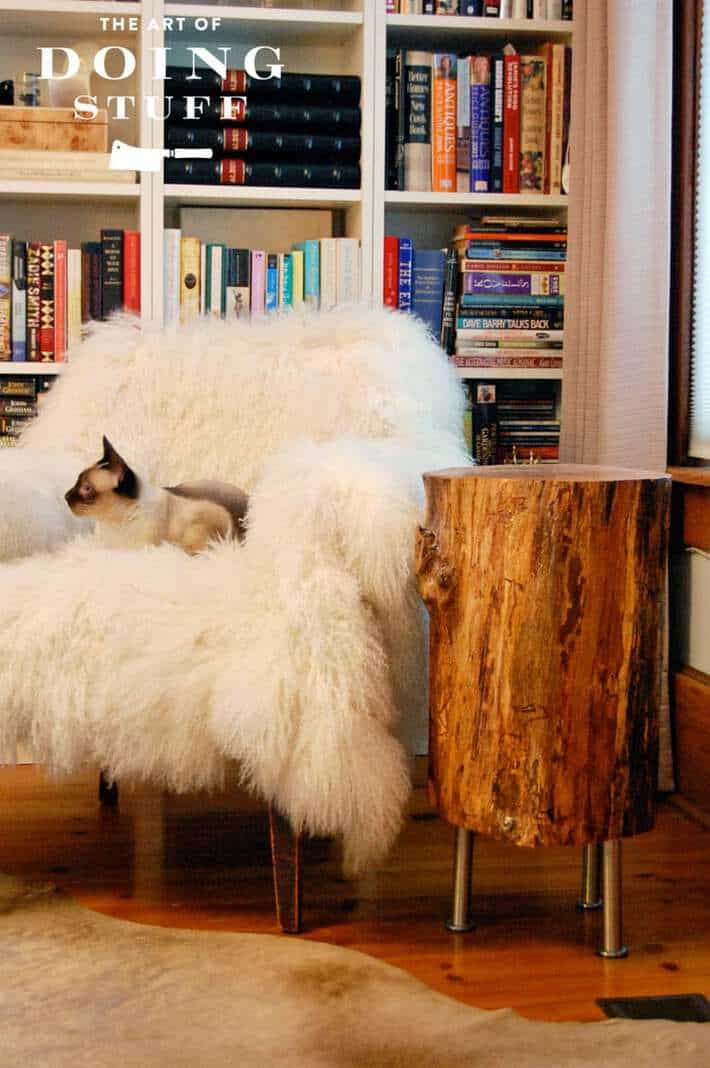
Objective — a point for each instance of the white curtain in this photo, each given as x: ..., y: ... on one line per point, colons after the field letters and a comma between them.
x: 615, y: 391
x: 699, y: 445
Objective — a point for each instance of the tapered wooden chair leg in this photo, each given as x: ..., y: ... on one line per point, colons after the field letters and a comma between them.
x: 286, y: 861
x: 108, y: 791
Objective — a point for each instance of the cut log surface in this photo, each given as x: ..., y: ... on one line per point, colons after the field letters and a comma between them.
x: 544, y: 588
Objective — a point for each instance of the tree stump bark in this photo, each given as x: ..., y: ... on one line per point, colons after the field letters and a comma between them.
x: 544, y: 590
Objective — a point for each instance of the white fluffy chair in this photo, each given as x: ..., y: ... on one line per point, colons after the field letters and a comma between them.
x: 297, y: 653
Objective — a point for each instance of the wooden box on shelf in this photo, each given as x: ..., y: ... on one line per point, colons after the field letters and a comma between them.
x: 52, y: 129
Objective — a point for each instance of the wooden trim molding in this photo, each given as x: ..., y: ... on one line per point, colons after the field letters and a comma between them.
x: 687, y: 25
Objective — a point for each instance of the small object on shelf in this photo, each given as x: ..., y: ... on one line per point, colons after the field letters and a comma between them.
x: 7, y: 93
x: 30, y: 93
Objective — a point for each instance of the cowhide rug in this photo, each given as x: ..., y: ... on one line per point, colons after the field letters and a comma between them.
x: 83, y: 990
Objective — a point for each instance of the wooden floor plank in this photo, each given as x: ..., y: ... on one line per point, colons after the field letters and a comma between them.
x: 204, y: 862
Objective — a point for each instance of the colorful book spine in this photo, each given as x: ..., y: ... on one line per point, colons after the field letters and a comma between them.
x: 532, y: 123
x: 348, y: 270
x: 272, y: 283
x: 33, y: 299
x: 311, y: 271
x: 46, y: 302
x: 428, y: 288
x: 297, y: 261
x: 443, y: 134
x: 172, y: 275
x: 448, y: 307
x: 390, y: 287
x: 492, y: 361
x: 189, y: 293
x: 258, y: 281
x: 285, y: 280
x: 511, y: 123
x: 515, y: 252
x: 404, y: 274
x: 480, y: 124
x: 5, y: 297
x: 514, y: 266
x: 417, y: 148
x: 534, y: 283
x: 237, y: 302
x: 132, y: 271
x: 497, y: 98
x: 511, y: 318
x: 463, y: 123
x: 478, y: 300
x: 511, y: 337
x: 73, y: 297
x: 19, y: 300
x: 60, y: 301
x: 214, y: 271
x: 328, y: 273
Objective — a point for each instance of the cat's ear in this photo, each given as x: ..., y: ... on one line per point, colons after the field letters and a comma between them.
x: 127, y: 484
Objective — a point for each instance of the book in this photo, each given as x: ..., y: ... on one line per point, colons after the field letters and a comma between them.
x: 258, y: 281
x: 171, y: 275
x: 132, y: 271
x: 266, y: 144
x: 484, y: 354
x: 443, y: 131
x: 285, y: 279
x: 417, y: 147
x: 480, y: 124
x: 405, y: 262
x: 272, y: 283
x: 73, y: 297
x: 496, y: 128
x: 463, y: 123
x: 513, y: 252
x: 328, y: 273
x: 237, y: 302
x: 510, y: 337
x: 390, y: 293
x: 297, y: 260
x: 311, y: 271
x: 511, y: 123
x: 513, y: 266
x: 214, y: 280
x: 428, y: 287
x: 33, y: 300
x: 60, y: 301
x: 203, y: 275
x: 33, y: 165
x: 399, y: 119
x: 271, y: 116
x: 477, y: 300
x: 347, y: 270
x: 309, y: 88
x: 111, y: 271
x: 520, y: 284
x: 532, y: 123
x: 554, y: 56
x: 391, y: 116
x: 46, y: 302
x: 448, y: 306
x: 90, y: 281
x: 5, y: 297
x: 244, y: 172
x: 19, y: 299
x: 500, y: 360
x: 501, y: 323
x: 485, y: 425
x: 566, y: 115
x: 190, y: 278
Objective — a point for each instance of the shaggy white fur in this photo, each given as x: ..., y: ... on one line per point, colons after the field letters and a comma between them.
x: 298, y: 652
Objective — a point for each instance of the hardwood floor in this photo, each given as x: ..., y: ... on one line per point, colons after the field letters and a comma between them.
x: 204, y: 862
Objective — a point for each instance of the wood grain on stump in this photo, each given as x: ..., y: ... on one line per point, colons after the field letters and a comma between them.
x: 544, y: 588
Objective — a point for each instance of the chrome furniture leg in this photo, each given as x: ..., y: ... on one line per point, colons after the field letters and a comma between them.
x: 591, y: 897
x: 612, y: 942
x: 461, y: 905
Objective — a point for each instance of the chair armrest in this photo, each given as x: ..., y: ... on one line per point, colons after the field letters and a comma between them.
x: 34, y: 516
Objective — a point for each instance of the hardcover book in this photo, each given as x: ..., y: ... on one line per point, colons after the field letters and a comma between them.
x: 245, y: 172
x: 60, y: 300
x: 33, y: 300
x: 258, y: 281
x: 311, y: 270
x: 417, y: 121
x: 428, y: 288
x: 443, y: 134
x: 532, y: 123
x: 46, y: 302
x: 390, y: 293
x: 404, y: 274
x: 19, y: 300
x: 111, y: 271
x: 480, y: 124
x: 271, y: 116
x: 189, y: 278
x: 237, y: 296
x: 463, y: 123
x: 5, y: 297
x: 328, y: 273
x: 264, y: 144
x: 497, y: 97
x: 511, y: 123
x: 272, y: 282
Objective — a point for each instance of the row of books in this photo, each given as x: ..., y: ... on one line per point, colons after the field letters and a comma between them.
x: 299, y: 130
x: 415, y: 280
x: 232, y: 283
x: 480, y: 123
x: 47, y: 291
x: 511, y: 287
x: 512, y: 422
x: 496, y: 9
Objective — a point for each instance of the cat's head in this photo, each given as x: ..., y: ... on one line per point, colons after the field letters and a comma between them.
x: 107, y: 491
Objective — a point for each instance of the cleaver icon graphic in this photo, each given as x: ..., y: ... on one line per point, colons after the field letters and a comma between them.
x: 131, y: 158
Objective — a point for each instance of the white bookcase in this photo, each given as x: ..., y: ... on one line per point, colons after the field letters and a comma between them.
x: 348, y: 37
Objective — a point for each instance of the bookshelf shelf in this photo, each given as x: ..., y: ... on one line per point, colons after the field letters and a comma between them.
x: 61, y: 17
x: 454, y: 201
x: 403, y: 30
x: 274, y: 25
x: 69, y: 191
x: 17, y: 370
x: 516, y: 374
x: 262, y: 196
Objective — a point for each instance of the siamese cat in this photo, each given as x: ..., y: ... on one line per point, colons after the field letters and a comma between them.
x: 134, y: 513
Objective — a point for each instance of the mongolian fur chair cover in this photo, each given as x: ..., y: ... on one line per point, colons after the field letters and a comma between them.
x: 299, y: 653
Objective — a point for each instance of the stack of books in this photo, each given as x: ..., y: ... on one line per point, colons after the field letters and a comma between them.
x: 300, y: 130
x: 496, y: 9
x: 512, y: 422
x: 19, y: 402
x: 233, y: 283
x: 480, y: 123
x: 48, y: 291
x: 511, y: 294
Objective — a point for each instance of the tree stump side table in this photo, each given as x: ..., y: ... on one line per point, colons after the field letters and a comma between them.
x: 544, y: 587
